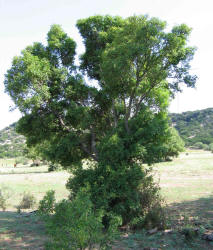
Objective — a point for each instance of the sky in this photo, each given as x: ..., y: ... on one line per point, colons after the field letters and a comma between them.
x: 23, y: 22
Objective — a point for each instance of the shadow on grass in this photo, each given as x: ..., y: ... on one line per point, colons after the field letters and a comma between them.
x: 23, y: 231
x: 201, y: 208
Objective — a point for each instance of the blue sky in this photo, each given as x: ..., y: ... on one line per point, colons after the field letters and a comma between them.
x: 23, y: 22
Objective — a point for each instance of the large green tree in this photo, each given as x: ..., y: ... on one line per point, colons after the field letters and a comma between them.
x: 120, y: 122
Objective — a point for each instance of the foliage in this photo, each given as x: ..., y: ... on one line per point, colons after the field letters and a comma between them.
x: 189, y: 232
x: 198, y: 145
x: 47, y: 204
x: 12, y: 144
x: 5, y: 194
x: 115, y: 191
x: 174, y: 144
x: 32, y: 153
x: 195, y: 127
x: 53, y: 167
x: 75, y: 225
x: 120, y: 123
x: 211, y: 147
x: 28, y: 201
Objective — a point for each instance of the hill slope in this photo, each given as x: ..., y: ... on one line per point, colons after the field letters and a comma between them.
x: 11, y: 143
x: 194, y: 127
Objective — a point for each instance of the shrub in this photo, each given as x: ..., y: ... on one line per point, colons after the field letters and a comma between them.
x: 189, y: 232
x: 28, y: 201
x: 47, y: 204
x: 126, y: 191
x: 205, y: 147
x: 211, y: 147
x: 76, y: 225
x: 5, y: 194
x: 53, y: 167
x: 198, y: 145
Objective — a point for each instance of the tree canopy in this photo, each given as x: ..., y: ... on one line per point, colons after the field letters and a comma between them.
x: 120, y: 122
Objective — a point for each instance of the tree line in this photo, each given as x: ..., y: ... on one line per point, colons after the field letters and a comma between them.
x: 195, y: 128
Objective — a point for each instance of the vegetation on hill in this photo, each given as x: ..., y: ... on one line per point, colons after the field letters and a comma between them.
x: 195, y: 128
x: 12, y: 144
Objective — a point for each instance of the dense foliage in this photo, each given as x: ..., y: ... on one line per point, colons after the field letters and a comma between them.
x: 75, y: 224
x: 195, y: 127
x: 118, y: 123
x: 12, y: 144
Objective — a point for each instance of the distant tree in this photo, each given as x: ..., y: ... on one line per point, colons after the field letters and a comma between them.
x: 198, y: 145
x: 211, y: 147
x: 121, y: 122
x: 174, y: 145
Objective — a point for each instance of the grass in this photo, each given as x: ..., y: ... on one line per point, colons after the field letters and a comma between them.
x: 187, y: 178
x: 6, y: 163
x: 35, y: 180
x: 186, y: 185
x: 19, y: 232
x: 24, y: 231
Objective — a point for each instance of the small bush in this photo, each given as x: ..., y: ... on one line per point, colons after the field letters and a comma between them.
x: 76, y: 225
x: 28, y: 201
x: 52, y: 168
x: 47, y: 204
x: 5, y: 194
x: 129, y: 192
x: 189, y: 232
x: 211, y: 147
x: 198, y: 145
x: 153, y: 209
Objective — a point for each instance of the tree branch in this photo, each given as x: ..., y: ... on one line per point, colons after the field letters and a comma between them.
x: 85, y: 149
x: 114, y: 115
x: 143, y: 97
x: 93, y: 144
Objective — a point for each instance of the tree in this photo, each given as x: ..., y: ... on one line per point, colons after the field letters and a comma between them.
x: 174, y: 145
x: 120, y: 123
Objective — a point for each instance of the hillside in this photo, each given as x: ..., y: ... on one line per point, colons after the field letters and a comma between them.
x: 195, y: 127
x: 11, y: 143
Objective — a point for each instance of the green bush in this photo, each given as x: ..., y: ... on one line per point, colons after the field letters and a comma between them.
x: 126, y: 191
x: 205, y: 147
x: 189, y: 232
x: 53, y: 167
x: 211, y: 147
x: 198, y: 145
x: 76, y: 225
x: 5, y: 194
x: 28, y: 201
x: 47, y: 204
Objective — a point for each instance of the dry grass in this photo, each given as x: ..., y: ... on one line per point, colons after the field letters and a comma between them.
x: 187, y: 178
x: 187, y: 184
x: 23, y: 231
x: 37, y: 181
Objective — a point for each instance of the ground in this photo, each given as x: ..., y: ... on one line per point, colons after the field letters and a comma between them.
x: 186, y: 182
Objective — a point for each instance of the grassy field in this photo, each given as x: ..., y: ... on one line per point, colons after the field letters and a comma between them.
x: 24, y: 231
x: 187, y: 185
